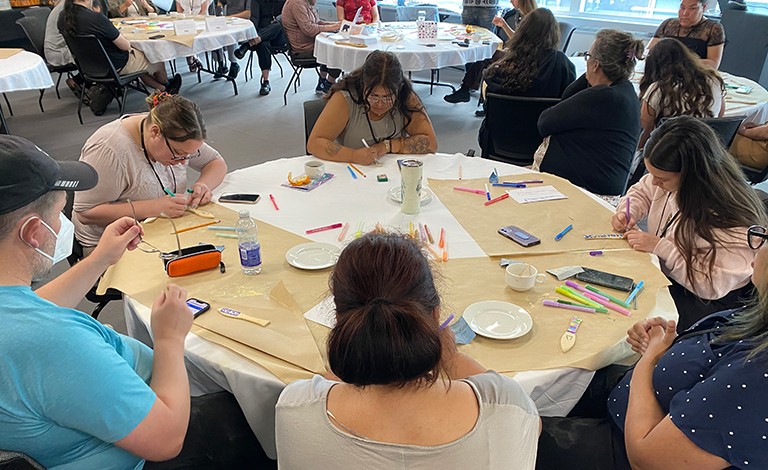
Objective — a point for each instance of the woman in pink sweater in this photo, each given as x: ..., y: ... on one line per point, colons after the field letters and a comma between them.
x: 697, y: 206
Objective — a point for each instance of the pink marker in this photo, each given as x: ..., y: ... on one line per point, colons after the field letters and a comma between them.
x: 323, y: 229
x: 582, y: 289
x: 469, y: 190
x: 552, y: 303
x: 605, y: 304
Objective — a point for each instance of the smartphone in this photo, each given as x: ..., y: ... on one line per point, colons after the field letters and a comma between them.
x: 240, y: 198
x: 157, y: 36
x: 519, y: 236
x: 602, y: 278
x: 197, y: 307
x: 744, y: 90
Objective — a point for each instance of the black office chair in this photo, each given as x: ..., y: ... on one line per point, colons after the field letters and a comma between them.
x: 39, y: 13
x: 298, y: 65
x: 10, y: 460
x: 312, y: 110
x: 725, y: 128
x: 34, y: 29
x: 275, y: 51
x: 566, y: 32
x: 96, y: 67
x: 510, y: 131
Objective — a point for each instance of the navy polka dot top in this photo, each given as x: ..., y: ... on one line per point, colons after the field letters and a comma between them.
x: 712, y: 393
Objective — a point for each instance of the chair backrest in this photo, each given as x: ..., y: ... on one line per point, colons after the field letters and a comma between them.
x: 725, y: 128
x: 91, y: 58
x: 312, y: 110
x: 566, y: 31
x: 35, y: 32
x: 411, y: 13
x: 39, y: 13
x: 511, y: 126
x: 10, y: 460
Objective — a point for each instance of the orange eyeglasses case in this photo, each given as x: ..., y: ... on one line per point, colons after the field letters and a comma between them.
x: 193, y: 259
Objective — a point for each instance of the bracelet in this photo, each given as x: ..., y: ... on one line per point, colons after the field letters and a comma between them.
x: 388, y: 145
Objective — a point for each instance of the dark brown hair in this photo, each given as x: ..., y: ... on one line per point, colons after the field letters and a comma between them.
x: 536, y: 35
x: 381, y: 68
x: 386, y: 332
x: 617, y: 53
x: 178, y: 118
x: 713, y: 194
x: 683, y: 82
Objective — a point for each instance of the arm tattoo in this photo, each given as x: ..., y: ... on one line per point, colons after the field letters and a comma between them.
x: 332, y: 148
x: 417, y: 144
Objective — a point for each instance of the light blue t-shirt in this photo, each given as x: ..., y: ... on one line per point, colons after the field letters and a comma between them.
x: 70, y: 386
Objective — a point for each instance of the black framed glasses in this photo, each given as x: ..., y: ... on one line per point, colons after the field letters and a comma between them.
x: 756, y: 236
x: 180, y: 158
x: 586, y: 56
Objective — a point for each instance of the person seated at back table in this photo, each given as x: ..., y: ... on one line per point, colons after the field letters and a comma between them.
x: 404, y: 397
x: 369, y: 14
x: 375, y: 106
x: 143, y: 158
x: 75, y: 394
x: 594, y: 130
x: 127, y: 8
x: 532, y: 66
x: 676, y: 83
x: 79, y: 18
x: 697, y: 207
x: 265, y: 18
x: 750, y: 146
x: 694, y: 401
x: 705, y: 37
x: 55, y: 47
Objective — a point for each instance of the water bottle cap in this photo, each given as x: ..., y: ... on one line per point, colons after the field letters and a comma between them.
x: 244, y: 214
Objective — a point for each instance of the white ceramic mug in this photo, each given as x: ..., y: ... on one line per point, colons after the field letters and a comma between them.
x: 315, y: 169
x: 522, y: 276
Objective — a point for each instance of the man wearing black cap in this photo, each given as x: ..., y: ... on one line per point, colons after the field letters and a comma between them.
x: 74, y: 393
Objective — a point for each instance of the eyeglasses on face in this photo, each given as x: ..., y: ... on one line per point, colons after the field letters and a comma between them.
x: 756, y: 236
x: 586, y: 56
x: 387, y: 100
x: 180, y: 158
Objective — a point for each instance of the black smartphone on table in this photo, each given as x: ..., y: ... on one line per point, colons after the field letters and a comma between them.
x: 602, y: 278
x: 197, y: 307
x: 240, y: 198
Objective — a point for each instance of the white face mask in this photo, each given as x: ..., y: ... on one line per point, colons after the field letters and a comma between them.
x: 64, y: 239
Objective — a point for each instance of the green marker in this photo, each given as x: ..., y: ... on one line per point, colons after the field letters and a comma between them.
x: 169, y: 192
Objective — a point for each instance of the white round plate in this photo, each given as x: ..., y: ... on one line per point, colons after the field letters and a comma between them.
x: 498, y: 320
x: 313, y: 255
x: 395, y: 193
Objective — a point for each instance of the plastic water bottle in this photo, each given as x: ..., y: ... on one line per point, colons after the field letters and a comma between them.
x: 248, y: 244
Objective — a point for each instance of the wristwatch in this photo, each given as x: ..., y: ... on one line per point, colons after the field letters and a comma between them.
x: 388, y: 145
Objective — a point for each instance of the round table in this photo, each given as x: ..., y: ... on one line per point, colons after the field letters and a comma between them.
x: 753, y: 105
x: 414, y: 54
x: 213, y: 367
x: 22, y: 71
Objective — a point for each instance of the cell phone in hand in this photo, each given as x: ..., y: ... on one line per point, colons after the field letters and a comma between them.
x: 197, y: 307
x: 240, y: 198
x: 519, y: 236
x: 602, y: 278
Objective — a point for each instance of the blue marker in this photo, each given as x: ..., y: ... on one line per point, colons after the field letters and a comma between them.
x: 560, y: 235
x: 510, y: 185
x: 354, y: 176
x: 635, y: 291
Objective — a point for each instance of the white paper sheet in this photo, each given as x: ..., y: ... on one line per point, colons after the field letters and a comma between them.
x: 537, y: 194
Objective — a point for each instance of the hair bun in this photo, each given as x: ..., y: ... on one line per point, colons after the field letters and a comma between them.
x: 158, y: 97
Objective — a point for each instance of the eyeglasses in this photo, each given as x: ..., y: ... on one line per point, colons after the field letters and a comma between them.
x: 180, y: 158
x: 586, y: 56
x: 152, y: 248
x: 756, y: 236
x: 387, y: 100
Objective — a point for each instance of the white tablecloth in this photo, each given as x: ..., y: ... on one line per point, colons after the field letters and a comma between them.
x: 754, y: 105
x: 24, y: 71
x: 161, y: 50
x: 555, y: 392
x: 413, y: 53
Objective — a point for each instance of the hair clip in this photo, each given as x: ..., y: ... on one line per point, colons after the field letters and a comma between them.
x: 631, y: 54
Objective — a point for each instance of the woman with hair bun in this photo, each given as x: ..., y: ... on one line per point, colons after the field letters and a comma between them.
x: 144, y: 158
x: 594, y: 130
x: 404, y: 397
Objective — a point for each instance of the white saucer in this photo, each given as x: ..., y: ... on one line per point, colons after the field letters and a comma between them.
x: 313, y: 255
x: 395, y: 193
x: 498, y: 320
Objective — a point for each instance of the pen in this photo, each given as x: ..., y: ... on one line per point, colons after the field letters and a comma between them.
x: 629, y: 201
x: 274, y: 203
x: 442, y: 238
x: 422, y: 233
x: 366, y: 144
x: 447, y: 321
x: 524, y: 182
x: 222, y: 228
x: 606, y: 304
x: 169, y: 192
x: 576, y: 286
x: 487, y: 192
x: 411, y: 231
x: 598, y: 310
x: 551, y: 303
x: 429, y: 234
x: 635, y: 291
x: 433, y: 252
x: 573, y: 295
x: 560, y: 235
x: 445, y: 252
x: 459, y: 171
x: 190, y: 190
x: 608, y: 296
x: 468, y: 190
x: 358, y: 170
x: 496, y: 199
x: 354, y: 176
x: 226, y: 235
x: 343, y: 231
x: 510, y: 185
x: 193, y: 227
x: 324, y: 228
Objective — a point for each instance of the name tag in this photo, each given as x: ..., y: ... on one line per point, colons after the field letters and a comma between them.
x: 184, y: 27
x: 216, y: 23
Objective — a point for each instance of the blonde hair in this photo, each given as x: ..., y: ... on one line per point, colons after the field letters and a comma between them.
x: 178, y: 118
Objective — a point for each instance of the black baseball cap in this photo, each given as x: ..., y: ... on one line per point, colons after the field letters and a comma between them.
x: 27, y: 173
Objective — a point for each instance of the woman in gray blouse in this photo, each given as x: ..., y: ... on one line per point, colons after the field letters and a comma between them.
x: 401, y: 396
x: 373, y: 111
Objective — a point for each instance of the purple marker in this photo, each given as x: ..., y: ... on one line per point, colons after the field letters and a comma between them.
x: 629, y: 214
x: 447, y: 321
x: 595, y: 253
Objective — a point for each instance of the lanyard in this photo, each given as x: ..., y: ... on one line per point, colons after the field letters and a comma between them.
x: 672, y: 218
x: 151, y: 166
x: 373, y: 134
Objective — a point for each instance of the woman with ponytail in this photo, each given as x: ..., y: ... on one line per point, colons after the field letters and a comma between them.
x: 402, y: 395
x: 594, y: 130
x: 143, y: 158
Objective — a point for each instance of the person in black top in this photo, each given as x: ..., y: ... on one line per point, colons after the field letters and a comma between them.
x: 265, y: 17
x: 532, y: 65
x: 78, y: 18
x: 594, y: 131
x: 703, y: 36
